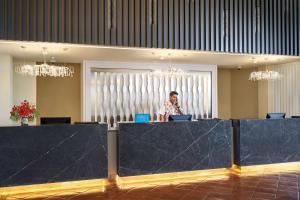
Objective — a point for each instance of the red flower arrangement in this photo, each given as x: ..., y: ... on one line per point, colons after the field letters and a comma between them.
x: 25, y: 110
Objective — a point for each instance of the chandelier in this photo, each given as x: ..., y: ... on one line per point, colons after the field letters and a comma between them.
x: 173, y: 72
x: 45, y: 69
x: 264, y: 75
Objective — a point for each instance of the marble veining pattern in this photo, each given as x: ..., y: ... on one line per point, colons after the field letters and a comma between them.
x: 54, y: 153
x: 173, y: 147
x: 268, y: 141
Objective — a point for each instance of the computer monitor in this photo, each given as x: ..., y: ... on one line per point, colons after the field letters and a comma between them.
x: 180, y: 117
x: 275, y: 116
x: 82, y: 123
x: 55, y: 120
x: 142, y: 118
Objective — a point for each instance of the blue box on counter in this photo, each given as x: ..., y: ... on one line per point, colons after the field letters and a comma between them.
x: 142, y: 118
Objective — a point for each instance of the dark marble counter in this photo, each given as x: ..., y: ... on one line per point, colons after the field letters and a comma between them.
x: 54, y: 153
x: 173, y: 147
x: 267, y: 141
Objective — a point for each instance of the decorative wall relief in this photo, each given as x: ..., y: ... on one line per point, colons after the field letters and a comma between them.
x: 120, y: 94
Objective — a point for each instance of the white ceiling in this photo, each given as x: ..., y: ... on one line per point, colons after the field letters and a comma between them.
x: 73, y: 53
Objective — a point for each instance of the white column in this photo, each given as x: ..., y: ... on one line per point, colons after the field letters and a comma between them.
x: 157, y: 92
x: 152, y: 103
x: 120, y: 97
x: 195, y: 95
x: 200, y: 91
x: 6, y: 88
x: 96, y: 96
x: 139, y: 91
x: 145, y: 84
x: 173, y: 84
x: 114, y: 83
x: 127, y: 97
x: 206, y: 96
x: 101, y: 97
x: 190, y: 95
x: 202, y: 97
x: 297, y: 84
x: 108, y: 112
x: 179, y: 90
x: 209, y: 94
x: 185, y: 95
x: 133, y: 97
x: 162, y: 90
x: 167, y: 87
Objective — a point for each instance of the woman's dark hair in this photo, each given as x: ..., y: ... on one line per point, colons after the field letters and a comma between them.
x: 173, y: 93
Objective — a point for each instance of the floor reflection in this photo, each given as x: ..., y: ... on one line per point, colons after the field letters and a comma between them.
x: 247, y: 185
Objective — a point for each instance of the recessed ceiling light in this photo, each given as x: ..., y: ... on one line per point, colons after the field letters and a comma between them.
x: 52, y: 59
x: 23, y: 48
x: 254, y: 60
x: 44, y: 51
x: 162, y: 58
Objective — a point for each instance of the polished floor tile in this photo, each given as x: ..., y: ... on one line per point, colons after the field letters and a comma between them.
x: 231, y: 186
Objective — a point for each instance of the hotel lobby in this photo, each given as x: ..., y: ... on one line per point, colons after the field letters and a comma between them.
x: 149, y: 99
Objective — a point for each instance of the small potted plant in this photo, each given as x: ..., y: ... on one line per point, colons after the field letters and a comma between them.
x: 24, y: 112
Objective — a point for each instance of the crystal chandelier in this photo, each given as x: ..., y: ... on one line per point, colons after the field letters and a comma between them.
x: 173, y: 72
x: 45, y: 69
x: 264, y: 75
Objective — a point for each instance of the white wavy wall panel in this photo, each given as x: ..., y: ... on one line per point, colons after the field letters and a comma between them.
x: 118, y: 96
x: 284, y: 94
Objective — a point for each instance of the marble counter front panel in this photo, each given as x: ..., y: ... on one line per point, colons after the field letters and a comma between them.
x: 53, y: 153
x: 173, y: 147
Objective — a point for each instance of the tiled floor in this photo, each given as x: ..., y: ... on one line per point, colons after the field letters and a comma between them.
x: 248, y: 185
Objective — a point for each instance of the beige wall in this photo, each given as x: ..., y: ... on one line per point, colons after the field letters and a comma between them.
x: 234, y: 87
x: 60, y: 97
x: 6, y: 89
x: 262, y: 97
x: 224, y: 93
x: 24, y: 88
x: 244, y: 95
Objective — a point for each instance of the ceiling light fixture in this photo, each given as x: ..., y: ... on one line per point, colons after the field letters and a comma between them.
x: 44, y: 69
x: 264, y: 75
x: 172, y: 72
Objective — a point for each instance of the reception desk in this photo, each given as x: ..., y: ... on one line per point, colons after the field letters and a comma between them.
x: 52, y: 153
x: 173, y: 147
x: 268, y: 141
x: 60, y: 153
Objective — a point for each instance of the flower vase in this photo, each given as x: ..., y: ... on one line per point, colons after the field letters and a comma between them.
x: 24, y: 121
